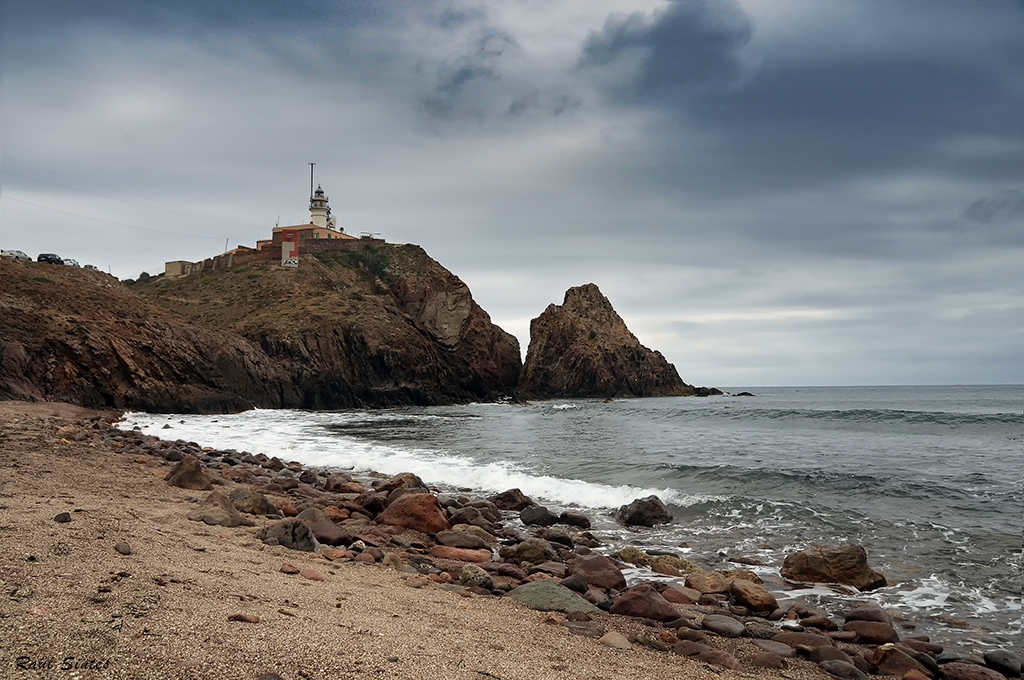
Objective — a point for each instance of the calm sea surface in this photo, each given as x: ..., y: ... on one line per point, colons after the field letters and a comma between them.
x: 928, y: 479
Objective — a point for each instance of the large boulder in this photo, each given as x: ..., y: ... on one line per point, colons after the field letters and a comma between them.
x: 189, y: 474
x: 847, y: 565
x: 583, y: 349
x: 416, y: 511
x: 645, y: 512
x: 646, y: 603
x: 546, y: 595
x: 599, y: 571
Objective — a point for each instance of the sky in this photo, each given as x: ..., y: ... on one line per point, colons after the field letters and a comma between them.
x: 770, y: 192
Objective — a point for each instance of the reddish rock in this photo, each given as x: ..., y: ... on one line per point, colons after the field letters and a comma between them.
x: 847, y: 565
x: 287, y: 568
x: 599, y: 571
x: 189, y: 474
x: 891, y: 661
x: 311, y: 575
x: 416, y: 511
x: 708, y: 582
x: 923, y: 646
x: 404, y: 480
x: 766, y: 660
x: 873, y: 632
x: 678, y: 596
x: 969, y: 671
x: 645, y: 603
x: 244, y: 618
x: 365, y: 557
x: 916, y: 675
x: 752, y: 595
x: 513, y: 499
x: 336, y: 514
x: 464, y: 554
x: 285, y: 507
x: 808, y: 639
x: 329, y: 533
x: 718, y: 657
x: 337, y: 554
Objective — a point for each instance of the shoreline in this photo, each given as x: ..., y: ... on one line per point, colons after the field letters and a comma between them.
x: 162, y: 609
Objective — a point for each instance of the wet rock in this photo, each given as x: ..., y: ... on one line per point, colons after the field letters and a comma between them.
x: 417, y: 511
x: 891, y: 661
x: 847, y: 565
x: 546, y: 595
x: 752, y: 595
x: 557, y: 535
x: 537, y: 515
x: 1003, y: 661
x: 867, y: 613
x: 335, y: 482
x: 923, y: 646
x: 959, y: 670
x: 189, y: 474
x: 218, y: 510
x: 843, y: 669
x: 646, y: 603
x: 399, y: 481
x: 290, y: 533
x: 873, y: 632
x: 644, y: 512
x: 513, y: 500
x: 726, y: 626
x: 534, y: 550
x: 819, y: 622
x: 574, y: 519
x: 706, y: 582
x: 599, y: 571
x: 461, y: 539
x: 252, y: 502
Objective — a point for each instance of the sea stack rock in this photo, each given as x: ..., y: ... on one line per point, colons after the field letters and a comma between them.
x: 583, y: 349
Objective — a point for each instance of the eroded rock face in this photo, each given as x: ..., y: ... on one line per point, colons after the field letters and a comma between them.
x: 847, y: 564
x: 583, y: 349
x: 326, y: 335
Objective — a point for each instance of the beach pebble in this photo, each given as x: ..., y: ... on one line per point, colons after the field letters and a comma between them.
x: 62, y: 517
x: 244, y: 618
x: 646, y: 603
x: 473, y: 575
x: 776, y: 648
x: 766, y: 660
x: 843, y: 669
x: 726, y: 626
x: 574, y: 519
x: 287, y: 568
x: 123, y: 548
x: 615, y: 640
x: 754, y: 596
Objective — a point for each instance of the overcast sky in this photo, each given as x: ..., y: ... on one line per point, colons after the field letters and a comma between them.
x: 770, y: 192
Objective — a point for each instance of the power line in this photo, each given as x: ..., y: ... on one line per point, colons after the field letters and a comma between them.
x: 8, y: 197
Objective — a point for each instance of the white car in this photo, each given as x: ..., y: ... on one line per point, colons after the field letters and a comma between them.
x: 70, y: 262
x: 15, y: 255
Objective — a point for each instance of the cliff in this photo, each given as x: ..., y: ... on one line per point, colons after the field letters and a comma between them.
x: 583, y: 349
x: 385, y: 325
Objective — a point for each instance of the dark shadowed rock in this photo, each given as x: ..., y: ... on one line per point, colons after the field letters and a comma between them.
x: 574, y: 519
x: 644, y: 512
x: 847, y: 565
x: 537, y: 515
x: 1003, y: 661
x: 546, y: 595
x: 513, y: 500
x: 290, y: 533
x: 583, y: 349
x: 189, y: 474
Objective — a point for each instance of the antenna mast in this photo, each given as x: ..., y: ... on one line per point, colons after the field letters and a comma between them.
x: 311, y: 181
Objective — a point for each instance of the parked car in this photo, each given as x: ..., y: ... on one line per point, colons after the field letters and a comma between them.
x: 49, y: 258
x: 89, y: 266
x: 70, y: 262
x: 15, y: 255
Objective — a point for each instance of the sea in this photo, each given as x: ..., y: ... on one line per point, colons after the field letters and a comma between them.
x: 927, y: 478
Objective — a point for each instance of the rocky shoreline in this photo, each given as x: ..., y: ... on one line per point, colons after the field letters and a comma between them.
x: 228, y: 555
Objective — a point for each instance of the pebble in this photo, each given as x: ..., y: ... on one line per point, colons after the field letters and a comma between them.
x: 615, y: 640
x: 62, y: 518
x: 311, y: 575
x: 123, y: 548
x: 244, y: 618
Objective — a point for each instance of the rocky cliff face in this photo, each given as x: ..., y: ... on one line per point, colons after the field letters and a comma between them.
x: 381, y: 326
x: 583, y: 349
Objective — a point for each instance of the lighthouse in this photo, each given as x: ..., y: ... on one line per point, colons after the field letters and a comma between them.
x: 319, y: 211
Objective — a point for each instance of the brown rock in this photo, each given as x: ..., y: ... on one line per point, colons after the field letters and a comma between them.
x: 336, y: 514
x: 252, y: 502
x: 218, y: 510
x: 708, y: 582
x: 513, y: 499
x: 189, y: 474
x: 874, y: 632
x: 337, y: 554
x: 533, y: 550
x: 287, y: 568
x: 311, y: 575
x: 766, y: 660
x: 847, y: 565
x: 285, y: 507
x: 646, y: 603
x: 365, y: 557
x: 718, y: 657
x: 461, y: 539
x: 599, y: 571
x: 680, y: 596
x: 891, y: 661
x: 464, y: 554
x: 807, y: 639
x: 244, y: 618
x: 329, y: 533
x: 583, y: 349
x: 403, y: 480
x: 752, y: 595
x: 416, y: 511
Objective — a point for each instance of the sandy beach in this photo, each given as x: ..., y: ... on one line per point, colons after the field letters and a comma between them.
x: 75, y: 606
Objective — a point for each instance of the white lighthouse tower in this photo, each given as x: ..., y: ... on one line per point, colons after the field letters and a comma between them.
x: 319, y: 211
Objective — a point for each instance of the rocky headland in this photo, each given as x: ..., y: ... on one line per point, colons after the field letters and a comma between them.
x: 582, y: 348
x: 148, y: 557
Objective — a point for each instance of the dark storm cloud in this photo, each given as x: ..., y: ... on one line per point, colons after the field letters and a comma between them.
x: 456, y: 90
x: 783, y: 117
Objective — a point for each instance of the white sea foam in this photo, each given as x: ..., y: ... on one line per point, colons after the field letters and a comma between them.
x: 301, y: 436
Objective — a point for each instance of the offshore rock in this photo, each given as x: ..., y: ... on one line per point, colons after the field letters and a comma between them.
x: 645, y: 512
x: 583, y: 349
x: 329, y: 334
x: 847, y: 565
